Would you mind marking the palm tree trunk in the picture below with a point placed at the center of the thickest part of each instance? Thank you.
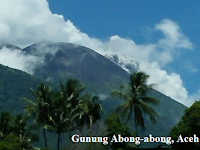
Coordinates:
(136, 134)
(136, 130)
(45, 138)
(58, 144)
(135, 115)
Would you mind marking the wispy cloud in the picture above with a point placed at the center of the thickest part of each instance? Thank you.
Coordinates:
(33, 21)
(189, 67)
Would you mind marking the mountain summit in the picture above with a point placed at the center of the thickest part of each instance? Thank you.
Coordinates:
(64, 60)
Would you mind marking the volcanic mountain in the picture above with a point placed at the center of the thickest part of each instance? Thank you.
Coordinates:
(99, 75)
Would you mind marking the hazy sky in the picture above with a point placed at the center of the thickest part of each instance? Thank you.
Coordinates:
(161, 37)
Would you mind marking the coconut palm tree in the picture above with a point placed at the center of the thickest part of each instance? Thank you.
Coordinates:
(59, 116)
(72, 88)
(39, 108)
(88, 111)
(70, 95)
(137, 100)
(61, 106)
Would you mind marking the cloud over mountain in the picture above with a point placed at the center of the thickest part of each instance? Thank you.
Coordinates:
(15, 58)
(33, 21)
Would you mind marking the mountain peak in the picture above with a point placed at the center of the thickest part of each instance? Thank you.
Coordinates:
(66, 60)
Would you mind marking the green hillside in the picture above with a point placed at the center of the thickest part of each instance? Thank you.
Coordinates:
(15, 84)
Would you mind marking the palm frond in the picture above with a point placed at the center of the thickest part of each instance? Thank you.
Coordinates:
(119, 94)
(151, 100)
(30, 102)
(139, 117)
(149, 111)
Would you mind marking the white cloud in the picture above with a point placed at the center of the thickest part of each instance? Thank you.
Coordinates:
(174, 38)
(170, 84)
(17, 59)
(32, 21)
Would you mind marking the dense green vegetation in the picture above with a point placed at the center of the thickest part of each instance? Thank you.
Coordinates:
(15, 134)
(187, 127)
(59, 126)
(14, 85)
(116, 126)
(70, 108)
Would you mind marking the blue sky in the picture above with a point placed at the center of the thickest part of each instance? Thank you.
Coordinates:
(158, 37)
(127, 19)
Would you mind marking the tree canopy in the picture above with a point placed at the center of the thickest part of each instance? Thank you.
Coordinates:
(187, 127)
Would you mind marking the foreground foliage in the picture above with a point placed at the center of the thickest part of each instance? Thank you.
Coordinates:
(39, 108)
(116, 126)
(64, 110)
(15, 133)
(70, 108)
(187, 127)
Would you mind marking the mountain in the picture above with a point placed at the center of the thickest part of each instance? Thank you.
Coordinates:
(14, 85)
(60, 61)
(64, 60)
(99, 74)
